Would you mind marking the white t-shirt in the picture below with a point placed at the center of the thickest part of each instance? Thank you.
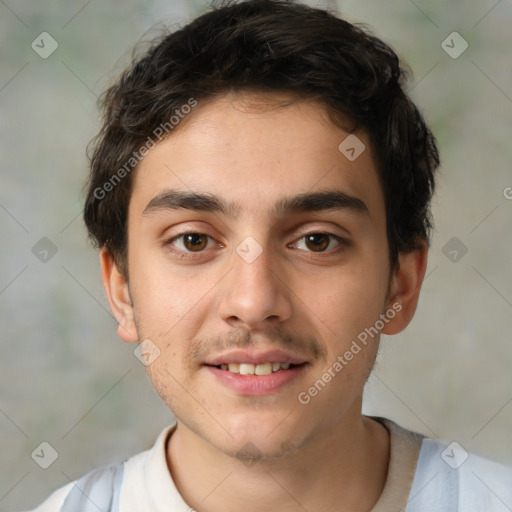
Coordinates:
(424, 475)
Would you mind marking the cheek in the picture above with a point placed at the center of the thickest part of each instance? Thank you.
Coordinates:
(346, 301)
(163, 297)
(172, 304)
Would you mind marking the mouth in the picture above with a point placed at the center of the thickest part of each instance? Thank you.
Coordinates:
(256, 369)
(248, 379)
(252, 373)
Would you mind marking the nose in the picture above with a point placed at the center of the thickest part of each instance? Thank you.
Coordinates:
(255, 294)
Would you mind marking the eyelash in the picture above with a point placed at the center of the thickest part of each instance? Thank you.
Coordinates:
(343, 243)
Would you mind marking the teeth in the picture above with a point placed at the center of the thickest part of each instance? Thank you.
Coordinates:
(263, 369)
(254, 369)
(246, 369)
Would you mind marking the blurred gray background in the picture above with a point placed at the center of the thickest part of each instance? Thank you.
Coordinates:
(66, 378)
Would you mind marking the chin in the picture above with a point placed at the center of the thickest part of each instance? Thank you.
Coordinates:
(251, 450)
(260, 435)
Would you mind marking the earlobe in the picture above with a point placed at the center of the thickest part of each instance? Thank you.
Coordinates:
(118, 295)
(405, 288)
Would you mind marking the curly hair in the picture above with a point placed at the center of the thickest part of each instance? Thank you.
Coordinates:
(267, 46)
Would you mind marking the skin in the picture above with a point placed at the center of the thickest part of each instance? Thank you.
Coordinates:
(310, 298)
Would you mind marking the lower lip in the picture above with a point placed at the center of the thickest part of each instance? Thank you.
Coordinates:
(254, 385)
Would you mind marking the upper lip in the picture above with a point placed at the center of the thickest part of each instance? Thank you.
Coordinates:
(243, 356)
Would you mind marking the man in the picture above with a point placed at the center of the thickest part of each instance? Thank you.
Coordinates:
(260, 192)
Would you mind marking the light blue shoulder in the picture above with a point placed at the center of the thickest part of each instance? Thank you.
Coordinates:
(449, 478)
(98, 490)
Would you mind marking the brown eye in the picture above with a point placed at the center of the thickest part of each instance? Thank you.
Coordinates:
(317, 242)
(320, 243)
(191, 242)
(195, 241)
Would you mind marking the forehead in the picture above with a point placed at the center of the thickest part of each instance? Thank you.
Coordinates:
(253, 153)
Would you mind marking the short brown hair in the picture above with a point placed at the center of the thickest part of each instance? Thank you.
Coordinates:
(267, 46)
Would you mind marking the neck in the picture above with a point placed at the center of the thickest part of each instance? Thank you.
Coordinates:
(342, 469)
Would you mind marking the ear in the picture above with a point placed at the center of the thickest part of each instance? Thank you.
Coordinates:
(118, 295)
(405, 288)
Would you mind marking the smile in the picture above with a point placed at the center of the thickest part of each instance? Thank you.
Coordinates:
(255, 369)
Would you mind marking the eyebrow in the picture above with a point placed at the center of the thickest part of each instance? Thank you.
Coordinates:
(307, 202)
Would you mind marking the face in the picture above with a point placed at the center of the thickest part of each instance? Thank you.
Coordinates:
(256, 245)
